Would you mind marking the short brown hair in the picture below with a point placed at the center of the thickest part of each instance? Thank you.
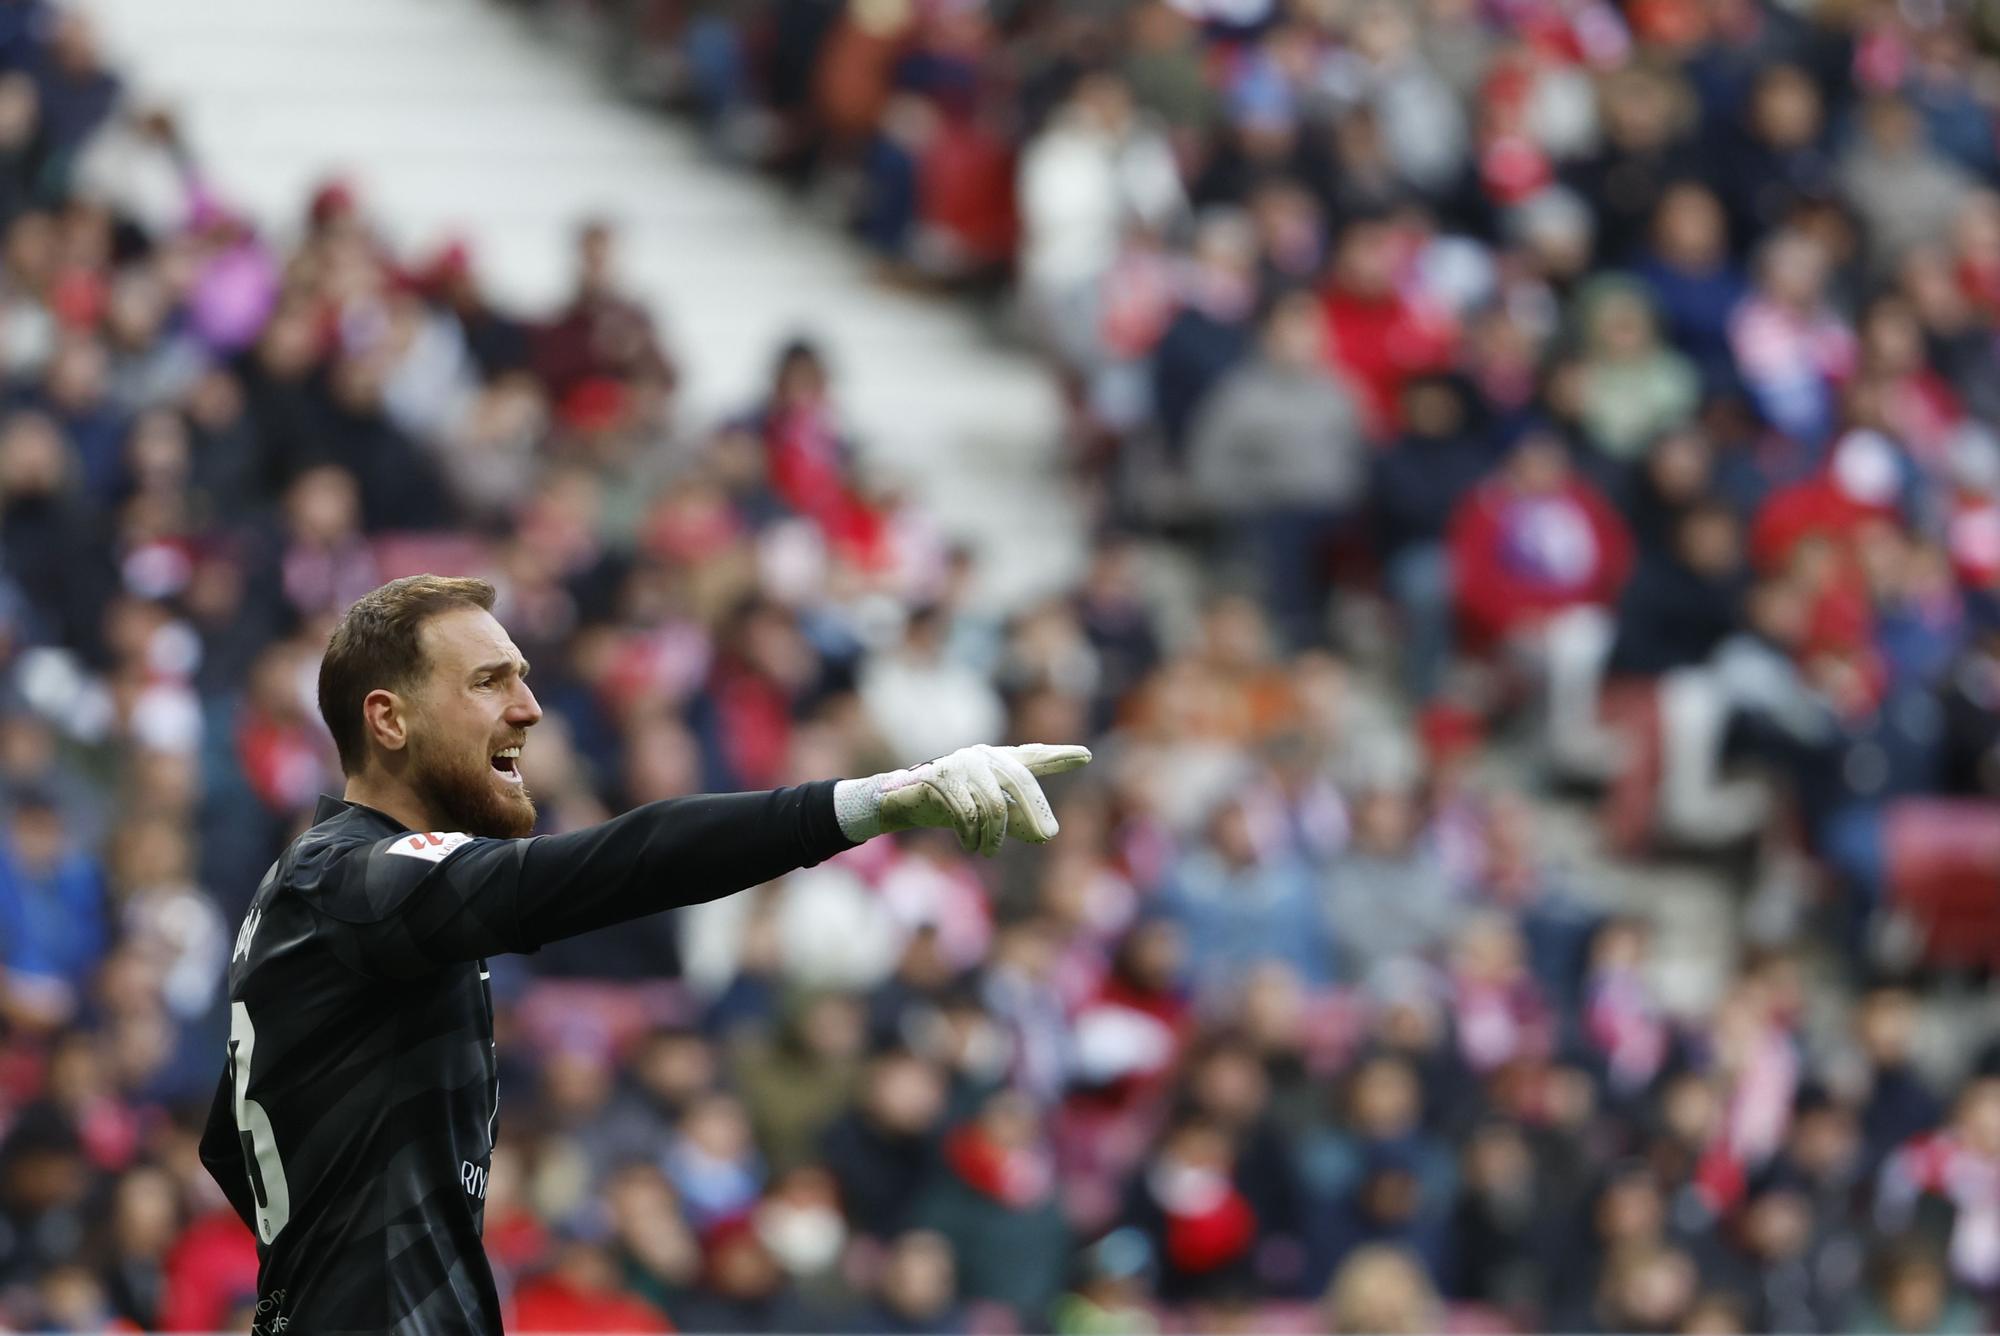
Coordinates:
(378, 645)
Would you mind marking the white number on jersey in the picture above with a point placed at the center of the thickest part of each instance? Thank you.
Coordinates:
(253, 1129)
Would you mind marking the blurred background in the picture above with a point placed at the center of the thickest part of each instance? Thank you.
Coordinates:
(1508, 488)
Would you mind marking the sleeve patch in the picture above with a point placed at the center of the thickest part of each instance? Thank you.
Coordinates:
(432, 847)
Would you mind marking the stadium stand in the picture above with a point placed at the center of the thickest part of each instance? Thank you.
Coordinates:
(1636, 361)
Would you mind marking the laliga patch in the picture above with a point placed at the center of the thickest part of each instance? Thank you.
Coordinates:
(432, 847)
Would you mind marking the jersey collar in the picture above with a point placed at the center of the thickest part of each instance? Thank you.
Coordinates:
(331, 807)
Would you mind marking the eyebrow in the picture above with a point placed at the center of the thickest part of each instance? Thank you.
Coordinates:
(520, 666)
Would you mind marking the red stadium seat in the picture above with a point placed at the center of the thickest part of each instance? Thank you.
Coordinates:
(1631, 710)
(1943, 870)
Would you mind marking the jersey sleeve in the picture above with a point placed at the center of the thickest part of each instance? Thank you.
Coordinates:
(407, 905)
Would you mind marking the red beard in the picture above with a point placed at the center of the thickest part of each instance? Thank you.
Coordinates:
(463, 794)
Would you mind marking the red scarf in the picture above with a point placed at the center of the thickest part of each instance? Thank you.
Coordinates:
(1209, 1224)
(1017, 1178)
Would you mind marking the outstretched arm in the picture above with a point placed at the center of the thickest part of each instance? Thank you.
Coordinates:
(427, 899)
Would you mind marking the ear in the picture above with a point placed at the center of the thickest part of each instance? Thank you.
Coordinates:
(385, 717)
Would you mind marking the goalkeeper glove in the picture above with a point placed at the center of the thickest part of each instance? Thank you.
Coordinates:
(982, 792)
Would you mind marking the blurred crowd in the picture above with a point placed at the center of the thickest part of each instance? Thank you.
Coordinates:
(1636, 360)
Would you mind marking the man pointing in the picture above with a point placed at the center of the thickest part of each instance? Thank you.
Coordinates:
(355, 1119)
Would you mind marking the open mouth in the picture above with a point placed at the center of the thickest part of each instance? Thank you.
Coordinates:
(507, 763)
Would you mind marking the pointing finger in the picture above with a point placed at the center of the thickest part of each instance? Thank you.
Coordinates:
(1043, 758)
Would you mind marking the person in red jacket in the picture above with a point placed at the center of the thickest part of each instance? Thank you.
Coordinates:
(210, 1273)
(1377, 337)
(1864, 480)
(1538, 558)
(582, 1293)
(1534, 540)
(1816, 530)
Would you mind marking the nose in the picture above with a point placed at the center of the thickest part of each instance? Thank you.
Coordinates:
(523, 711)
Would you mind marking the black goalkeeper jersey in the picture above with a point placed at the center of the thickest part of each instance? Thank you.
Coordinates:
(354, 1123)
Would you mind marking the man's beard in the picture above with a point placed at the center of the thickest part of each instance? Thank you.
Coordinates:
(464, 794)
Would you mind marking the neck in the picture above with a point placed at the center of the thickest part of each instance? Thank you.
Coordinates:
(392, 797)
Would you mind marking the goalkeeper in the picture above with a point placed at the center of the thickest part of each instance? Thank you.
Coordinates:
(354, 1123)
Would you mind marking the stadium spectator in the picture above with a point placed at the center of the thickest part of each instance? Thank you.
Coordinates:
(1381, 1289)
(1633, 388)
(882, 1150)
(1276, 456)
(993, 1200)
(918, 1291)
(1649, 381)
(52, 906)
(1534, 541)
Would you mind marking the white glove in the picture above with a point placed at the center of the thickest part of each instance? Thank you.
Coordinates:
(971, 791)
